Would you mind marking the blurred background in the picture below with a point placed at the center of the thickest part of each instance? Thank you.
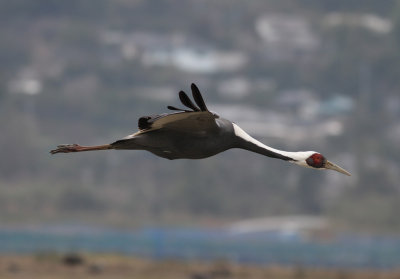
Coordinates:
(297, 75)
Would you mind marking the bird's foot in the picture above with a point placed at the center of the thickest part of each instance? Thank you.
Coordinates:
(66, 148)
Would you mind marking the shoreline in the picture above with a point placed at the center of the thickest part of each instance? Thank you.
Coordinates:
(96, 265)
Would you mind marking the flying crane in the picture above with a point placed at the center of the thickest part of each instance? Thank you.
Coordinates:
(196, 133)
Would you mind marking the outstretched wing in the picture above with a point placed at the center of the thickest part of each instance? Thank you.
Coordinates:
(184, 121)
(197, 119)
(201, 105)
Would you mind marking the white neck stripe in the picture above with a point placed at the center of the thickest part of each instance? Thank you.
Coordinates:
(300, 156)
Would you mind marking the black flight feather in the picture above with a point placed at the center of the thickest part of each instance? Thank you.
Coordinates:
(144, 122)
(179, 109)
(187, 102)
(198, 98)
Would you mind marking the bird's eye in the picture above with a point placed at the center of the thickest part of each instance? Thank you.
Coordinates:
(316, 160)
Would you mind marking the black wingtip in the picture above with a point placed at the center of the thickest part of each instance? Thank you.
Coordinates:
(173, 108)
(178, 109)
(193, 86)
(198, 98)
(186, 101)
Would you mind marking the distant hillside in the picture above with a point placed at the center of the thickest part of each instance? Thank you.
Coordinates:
(315, 75)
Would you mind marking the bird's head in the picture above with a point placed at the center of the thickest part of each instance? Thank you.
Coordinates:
(315, 160)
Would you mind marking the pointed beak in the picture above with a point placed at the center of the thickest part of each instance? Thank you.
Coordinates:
(332, 166)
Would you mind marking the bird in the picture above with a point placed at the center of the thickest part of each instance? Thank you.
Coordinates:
(195, 132)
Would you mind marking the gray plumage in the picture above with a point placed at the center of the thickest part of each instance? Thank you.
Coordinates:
(197, 133)
(189, 135)
(186, 134)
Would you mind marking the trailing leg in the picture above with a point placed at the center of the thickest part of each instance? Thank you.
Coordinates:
(68, 148)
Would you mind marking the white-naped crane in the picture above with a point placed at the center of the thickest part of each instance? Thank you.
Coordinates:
(196, 133)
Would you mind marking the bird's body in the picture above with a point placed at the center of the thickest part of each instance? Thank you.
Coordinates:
(196, 134)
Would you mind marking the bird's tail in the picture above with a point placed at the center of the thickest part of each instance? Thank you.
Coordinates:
(68, 148)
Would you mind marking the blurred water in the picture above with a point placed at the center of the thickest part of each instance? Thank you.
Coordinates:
(343, 251)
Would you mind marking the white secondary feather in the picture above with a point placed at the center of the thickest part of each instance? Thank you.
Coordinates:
(298, 157)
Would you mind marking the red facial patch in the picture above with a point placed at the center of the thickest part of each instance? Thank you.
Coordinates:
(316, 160)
